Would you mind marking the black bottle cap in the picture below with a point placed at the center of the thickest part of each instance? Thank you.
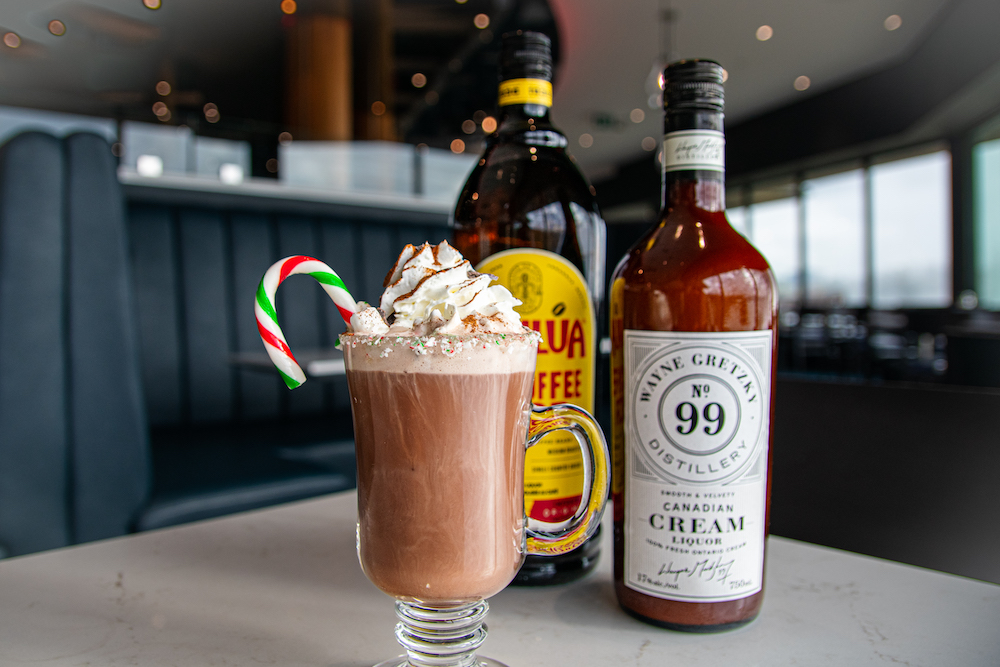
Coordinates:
(526, 55)
(693, 84)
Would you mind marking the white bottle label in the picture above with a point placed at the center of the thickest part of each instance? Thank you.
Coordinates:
(694, 149)
(696, 438)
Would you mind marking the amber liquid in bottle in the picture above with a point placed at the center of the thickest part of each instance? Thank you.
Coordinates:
(527, 194)
(692, 272)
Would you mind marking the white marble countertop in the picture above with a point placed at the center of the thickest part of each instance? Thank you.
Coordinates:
(283, 587)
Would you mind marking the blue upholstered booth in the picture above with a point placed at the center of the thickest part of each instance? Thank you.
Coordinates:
(120, 311)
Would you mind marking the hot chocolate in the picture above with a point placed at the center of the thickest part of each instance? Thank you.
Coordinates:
(440, 381)
(440, 499)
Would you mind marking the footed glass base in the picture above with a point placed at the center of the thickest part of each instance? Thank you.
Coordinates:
(441, 636)
(400, 661)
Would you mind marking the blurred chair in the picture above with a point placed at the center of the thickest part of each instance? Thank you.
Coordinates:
(75, 460)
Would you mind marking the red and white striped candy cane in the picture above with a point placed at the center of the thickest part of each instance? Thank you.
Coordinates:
(267, 319)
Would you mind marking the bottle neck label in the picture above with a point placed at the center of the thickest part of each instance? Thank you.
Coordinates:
(525, 91)
(703, 150)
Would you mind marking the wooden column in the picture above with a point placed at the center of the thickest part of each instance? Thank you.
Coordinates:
(375, 69)
(319, 64)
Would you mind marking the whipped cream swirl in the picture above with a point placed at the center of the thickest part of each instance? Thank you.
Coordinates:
(434, 290)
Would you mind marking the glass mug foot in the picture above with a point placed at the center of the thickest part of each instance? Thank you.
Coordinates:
(441, 636)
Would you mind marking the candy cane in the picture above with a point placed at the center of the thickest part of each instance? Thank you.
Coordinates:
(267, 319)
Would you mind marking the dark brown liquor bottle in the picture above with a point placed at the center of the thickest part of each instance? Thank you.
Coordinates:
(693, 340)
(528, 216)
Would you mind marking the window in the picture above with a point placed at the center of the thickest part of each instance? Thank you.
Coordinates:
(776, 235)
(986, 193)
(835, 239)
(911, 230)
(829, 243)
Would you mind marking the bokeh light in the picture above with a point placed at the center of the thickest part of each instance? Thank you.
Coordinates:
(586, 140)
(489, 124)
(12, 40)
(468, 126)
(163, 88)
(893, 22)
(802, 82)
(765, 32)
(637, 115)
(57, 27)
(481, 21)
(457, 146)
(378, 107)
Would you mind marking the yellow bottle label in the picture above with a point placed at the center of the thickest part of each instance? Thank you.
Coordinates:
(525, 91)
(556, 303)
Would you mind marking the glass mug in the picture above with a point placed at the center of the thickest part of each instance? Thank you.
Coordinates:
(441, 427)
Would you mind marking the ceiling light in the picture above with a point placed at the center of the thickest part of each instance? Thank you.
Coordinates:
(151, 4)
(802, 82)
(418, 80)
(637, 115)
(489, 124)
(765, 32)
(457, 146)
(163, 88)
(288, 6)
(468, 126)
(481, 21)
(12, 40)
(648, 144)
(586, 140)
(57, 27)
(893, 22)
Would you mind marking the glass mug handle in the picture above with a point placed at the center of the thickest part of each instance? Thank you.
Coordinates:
(596, 483)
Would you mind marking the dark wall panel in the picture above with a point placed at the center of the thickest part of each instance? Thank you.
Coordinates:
(252, 247)
(155, 277)
(899, 472)
(378, 250)
(206, 305)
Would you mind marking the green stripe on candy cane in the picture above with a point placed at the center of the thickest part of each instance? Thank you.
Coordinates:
(267, 319)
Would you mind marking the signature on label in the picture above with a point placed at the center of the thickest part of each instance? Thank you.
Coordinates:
(707, 570)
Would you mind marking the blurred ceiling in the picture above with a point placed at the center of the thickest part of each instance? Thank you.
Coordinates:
(229, 52)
